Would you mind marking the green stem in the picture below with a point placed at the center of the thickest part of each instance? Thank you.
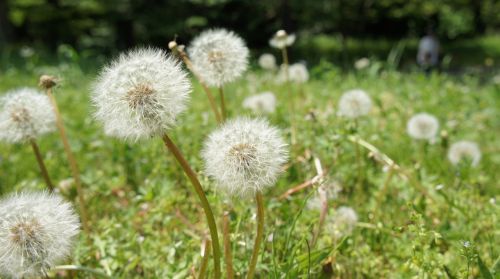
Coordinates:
(203, 200)
(383, 190)
(210, 96)
(260, 233)
(41, 164)
(72, 162)
(227, 245)
(204, 261)
(284, 54)
(322, 216)
(222, 104)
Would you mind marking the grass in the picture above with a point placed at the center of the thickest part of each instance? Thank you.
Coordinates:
(145, 218)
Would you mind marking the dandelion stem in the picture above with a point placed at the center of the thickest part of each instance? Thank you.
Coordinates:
(204, 261)
(222, 104)
(260, 233)
(383, 191)
(210, 96)
(227, 245)
(322, 217)
(284, 54)
(358, 162)
(41, 164)
(72, 162)
(203, 200)
(379, 156)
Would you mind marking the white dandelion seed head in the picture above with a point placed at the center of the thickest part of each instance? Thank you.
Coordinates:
(140, 94)
(362, 63)
(354, 103)
(464, 150)
(342, 222)
(264, 102)
(423, 126)
(267, 61)
(298, 73)
(282, 40)
(219, 56)
(244, 156)
(25, 114)
(37, 231)
(329, 191)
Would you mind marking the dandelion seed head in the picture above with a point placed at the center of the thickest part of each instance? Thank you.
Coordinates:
(219, 56)
(267, 61)
(244, 156)
(37, 231)
(423, 126)
(342, 222)
(282, 40)
(354, 103)
(264, 102)
(25, 114)
(140, 94)
(328, 191)
(464, 150)
(362, 63)
(298, 73)
(47, 82)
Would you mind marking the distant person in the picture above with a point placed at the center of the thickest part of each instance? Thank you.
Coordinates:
(428, 52)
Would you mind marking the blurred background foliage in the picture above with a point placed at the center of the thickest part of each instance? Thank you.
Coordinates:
(369, 27)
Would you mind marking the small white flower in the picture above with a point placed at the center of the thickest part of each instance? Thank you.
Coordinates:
(298, 73)
(264, 102)
(423, 126)
(37, 231)
(244, 156)
(219, 56)
(140, 94)
(354, 103)
(25, 114)
(464, 150)
(267, 61)
(362, 63)
(282, 40)
(342, 222)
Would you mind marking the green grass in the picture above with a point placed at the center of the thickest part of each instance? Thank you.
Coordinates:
(136, 190)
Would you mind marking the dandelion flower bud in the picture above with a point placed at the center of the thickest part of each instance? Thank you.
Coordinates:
(25, 114)
(261, 103)
(219, 56)
(464, 150)
(47, 82)
(342, 222)
(140, 94)
(244, 156)
(298, 73)
(354, 103)
(37, 231)
(423, 126)
(267, 61)
(282, 40)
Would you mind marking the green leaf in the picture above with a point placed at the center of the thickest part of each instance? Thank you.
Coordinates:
(483, 269)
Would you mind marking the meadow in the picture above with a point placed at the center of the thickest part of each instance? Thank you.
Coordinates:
(418, 215)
